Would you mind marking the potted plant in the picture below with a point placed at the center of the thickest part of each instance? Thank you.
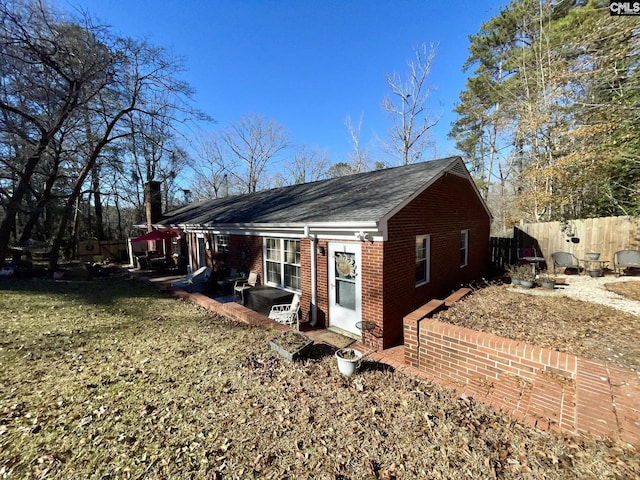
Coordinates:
(595, 272)
(291, 345)
(514, 274)
(348, 360)
(527, 276)
(547, 281)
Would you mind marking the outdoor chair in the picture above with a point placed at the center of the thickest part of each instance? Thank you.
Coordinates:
(195, 281)
(526, 252)
(242, 285)
(287, 314)
(566, 260)
(226, 280)
(624, 259)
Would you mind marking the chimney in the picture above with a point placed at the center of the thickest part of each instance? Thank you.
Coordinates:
(153, 203)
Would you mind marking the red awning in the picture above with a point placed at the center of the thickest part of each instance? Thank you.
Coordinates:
(155, 235)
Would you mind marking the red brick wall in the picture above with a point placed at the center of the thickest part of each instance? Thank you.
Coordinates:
(446, 208)
(323, 283)
(373, 300)
(474, 361)
(245, 255)
(305, 279)
(456, 353)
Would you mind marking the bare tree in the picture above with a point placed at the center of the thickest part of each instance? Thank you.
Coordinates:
(308, 164)
(253, 142)
(145, 84)
(154, 153)
(211, 167)
(50, 69)
(407, 107)
(359, 156)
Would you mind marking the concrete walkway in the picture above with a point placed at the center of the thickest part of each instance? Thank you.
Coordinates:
(604, 401)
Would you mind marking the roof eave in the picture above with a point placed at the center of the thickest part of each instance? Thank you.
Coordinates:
(319, 229)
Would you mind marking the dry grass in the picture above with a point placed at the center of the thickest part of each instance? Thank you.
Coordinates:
(630, 290)
(109, 379)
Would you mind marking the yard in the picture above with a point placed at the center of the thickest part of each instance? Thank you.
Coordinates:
(111, 379)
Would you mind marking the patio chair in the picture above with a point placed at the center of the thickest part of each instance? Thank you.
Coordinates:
(226, 280)
(526, 252)
(242, 285)
(624, 259)
(287, 314)
(195, 281)
(566, 260)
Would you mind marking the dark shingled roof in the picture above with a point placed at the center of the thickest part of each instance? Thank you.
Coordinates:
(360, 197)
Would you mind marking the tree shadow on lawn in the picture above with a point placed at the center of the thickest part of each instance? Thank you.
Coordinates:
(373, 366)
(108, 295)
(321, 350)
(99, 291)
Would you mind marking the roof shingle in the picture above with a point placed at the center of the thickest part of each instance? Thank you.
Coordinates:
(360, 197)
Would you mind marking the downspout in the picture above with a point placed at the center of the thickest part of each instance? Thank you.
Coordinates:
(314, 275)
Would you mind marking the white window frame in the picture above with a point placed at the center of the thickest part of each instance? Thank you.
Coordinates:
(221, 243)
(283, 263)
(426, 241)
(464, 248)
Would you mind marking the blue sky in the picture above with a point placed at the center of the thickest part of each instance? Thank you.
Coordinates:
(306, 64)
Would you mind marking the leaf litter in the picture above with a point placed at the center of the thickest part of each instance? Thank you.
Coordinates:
(145, 386)
(587, 330)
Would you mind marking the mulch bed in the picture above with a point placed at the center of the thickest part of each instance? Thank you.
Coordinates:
(583, 329)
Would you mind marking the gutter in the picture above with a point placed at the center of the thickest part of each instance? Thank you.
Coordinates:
(314, 275)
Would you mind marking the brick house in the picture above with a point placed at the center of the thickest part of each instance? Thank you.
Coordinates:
(365, 247)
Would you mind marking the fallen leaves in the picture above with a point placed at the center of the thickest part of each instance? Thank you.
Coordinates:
(584, 329)
(195, 396)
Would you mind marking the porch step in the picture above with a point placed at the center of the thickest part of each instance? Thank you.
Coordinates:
(344, 333)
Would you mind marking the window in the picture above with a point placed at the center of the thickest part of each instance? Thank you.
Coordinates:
(222, 243)
(464, 248)
(282, 259)
(423, 247)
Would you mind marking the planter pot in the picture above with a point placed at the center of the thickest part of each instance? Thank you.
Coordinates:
(593, 256)
(527, 283)
(348, 361)
(595, 273)
(291, 346)
(515, 281)
(548, 284)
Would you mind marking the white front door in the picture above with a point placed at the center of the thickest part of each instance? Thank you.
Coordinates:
(345, 286)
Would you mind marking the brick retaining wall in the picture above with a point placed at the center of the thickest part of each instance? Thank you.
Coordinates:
(459, 353)
(542, 387)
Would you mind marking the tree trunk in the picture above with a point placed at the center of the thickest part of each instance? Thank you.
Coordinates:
(8, 223)
(97, 200)
(77, 187)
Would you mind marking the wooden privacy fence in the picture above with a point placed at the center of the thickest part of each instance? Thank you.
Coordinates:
(92, 250)
(605, 235)
(502, 251)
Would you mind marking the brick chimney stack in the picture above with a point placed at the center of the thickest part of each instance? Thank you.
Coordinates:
(153, 203)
